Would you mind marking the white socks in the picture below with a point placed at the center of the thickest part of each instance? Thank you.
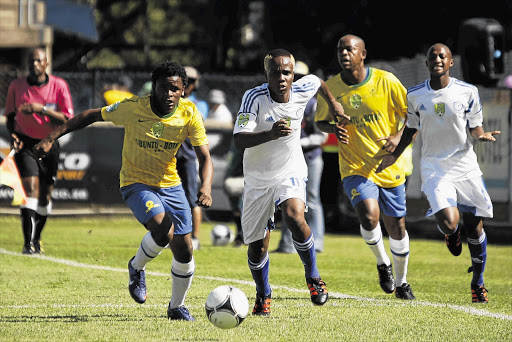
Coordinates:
(374, 240)
(182, 275)
(400, 251)
(148, 250)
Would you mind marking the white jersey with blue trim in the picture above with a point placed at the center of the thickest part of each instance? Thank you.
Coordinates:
(442, 117)
(272, 162)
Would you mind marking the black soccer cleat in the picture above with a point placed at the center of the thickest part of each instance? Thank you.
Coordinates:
(386, 279)
(317, 290)
(28, 249)
(179, 314)
(479, 294)
(262, 305)
(404, 292)
(453, 242)
(38, 247)
(137, 284)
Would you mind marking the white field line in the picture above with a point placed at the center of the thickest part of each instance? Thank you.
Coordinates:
(338, 295)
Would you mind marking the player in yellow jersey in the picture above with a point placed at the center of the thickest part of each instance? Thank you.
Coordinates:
(376, 102)
(155, 127)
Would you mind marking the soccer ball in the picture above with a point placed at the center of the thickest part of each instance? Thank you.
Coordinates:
(226, 307)
(221, 235)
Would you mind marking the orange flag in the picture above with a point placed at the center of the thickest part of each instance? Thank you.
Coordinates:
(10, 176)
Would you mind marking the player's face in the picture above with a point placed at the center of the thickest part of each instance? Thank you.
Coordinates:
(167, 93)
(439, 60)
(351, 53)
(280, 77)
(37, 63)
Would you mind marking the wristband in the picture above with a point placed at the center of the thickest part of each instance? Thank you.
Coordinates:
(43, 111)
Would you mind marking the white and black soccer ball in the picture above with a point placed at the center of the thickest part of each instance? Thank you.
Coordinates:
(221, 235)
(226, 306)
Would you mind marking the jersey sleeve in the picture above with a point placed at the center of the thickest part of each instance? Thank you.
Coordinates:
(115, 114)
(197, 132)
(474, 112)
(322, 110)
(246, 117)
(412, 115)
(307, 85)
(65, 102)
(398, 96)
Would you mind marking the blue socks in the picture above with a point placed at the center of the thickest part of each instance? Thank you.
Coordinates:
(260, 270)
(260, 275)
(478, 251)
(307, 254)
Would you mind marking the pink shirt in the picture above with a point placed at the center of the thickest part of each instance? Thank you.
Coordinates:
(54, 94)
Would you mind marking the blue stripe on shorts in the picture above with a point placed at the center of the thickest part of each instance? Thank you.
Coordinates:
(147, 201)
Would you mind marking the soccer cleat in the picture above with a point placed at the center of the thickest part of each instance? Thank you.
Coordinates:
(180, 313)
(479, 294)
(38, 247)
(386, 279)
(317, 290)
(28, 249)
(262, 305)
(137, 284)
(453, 242)
(404, 292)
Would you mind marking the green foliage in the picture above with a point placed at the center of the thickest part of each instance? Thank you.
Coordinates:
(78, 291)
(168, 29)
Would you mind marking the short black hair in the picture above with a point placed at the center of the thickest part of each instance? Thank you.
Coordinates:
(169, 68)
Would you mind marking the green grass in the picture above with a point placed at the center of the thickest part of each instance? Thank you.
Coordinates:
(78, 291)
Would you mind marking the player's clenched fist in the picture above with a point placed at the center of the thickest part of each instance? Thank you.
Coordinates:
(204, 197)
(279, 129)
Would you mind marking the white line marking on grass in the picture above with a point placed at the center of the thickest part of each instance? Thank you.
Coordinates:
(337, 295)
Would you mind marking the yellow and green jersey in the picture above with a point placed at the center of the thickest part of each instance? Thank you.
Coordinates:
(376, 107)
(151, 142)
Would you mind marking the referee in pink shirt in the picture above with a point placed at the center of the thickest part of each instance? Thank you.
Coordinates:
(35, 106)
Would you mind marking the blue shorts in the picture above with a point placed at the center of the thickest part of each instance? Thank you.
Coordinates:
(391, 200)
(146, 201)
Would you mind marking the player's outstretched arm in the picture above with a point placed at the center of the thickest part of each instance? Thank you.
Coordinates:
(80, 121)
(204, 196)
(479, 134)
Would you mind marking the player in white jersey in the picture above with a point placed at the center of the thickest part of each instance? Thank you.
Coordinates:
(441, 108)
(275, 172)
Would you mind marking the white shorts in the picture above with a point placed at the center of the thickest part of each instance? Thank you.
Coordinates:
(469, 195)
(259, 206)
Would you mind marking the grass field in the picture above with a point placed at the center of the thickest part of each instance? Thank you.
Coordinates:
(78, 291)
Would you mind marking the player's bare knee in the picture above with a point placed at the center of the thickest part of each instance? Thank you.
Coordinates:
(161, 238)
(181, 247)
(256, 251)
(369, 221)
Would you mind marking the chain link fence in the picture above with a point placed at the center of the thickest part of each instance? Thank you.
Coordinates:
(87, 87)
